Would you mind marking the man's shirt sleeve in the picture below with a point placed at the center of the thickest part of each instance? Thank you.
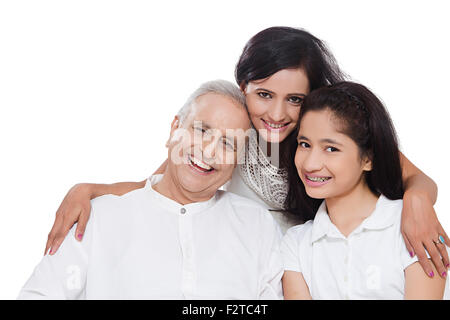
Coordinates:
(62, 275)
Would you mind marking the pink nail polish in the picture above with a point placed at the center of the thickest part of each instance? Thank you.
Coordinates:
(431, 274)
(448, 265)
(411, 254)
(444, 274)
(79, 236)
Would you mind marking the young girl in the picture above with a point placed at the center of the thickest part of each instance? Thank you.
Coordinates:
(347, 154)
(278, 67)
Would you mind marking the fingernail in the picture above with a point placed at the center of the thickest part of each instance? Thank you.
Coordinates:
(448, 265)
(79, 236)
(431, 274)
(411, 254)
(51, 251)
(444, 274)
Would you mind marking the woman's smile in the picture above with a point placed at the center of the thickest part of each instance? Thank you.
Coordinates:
(275, 126)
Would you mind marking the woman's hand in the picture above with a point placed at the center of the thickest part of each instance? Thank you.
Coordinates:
(76, 207)
(420, 228)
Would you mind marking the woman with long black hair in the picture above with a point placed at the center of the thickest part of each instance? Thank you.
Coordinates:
(278, 67)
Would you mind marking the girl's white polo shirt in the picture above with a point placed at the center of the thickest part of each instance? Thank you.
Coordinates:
(368, 264)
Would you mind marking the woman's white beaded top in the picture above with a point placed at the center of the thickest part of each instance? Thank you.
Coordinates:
(264, 178)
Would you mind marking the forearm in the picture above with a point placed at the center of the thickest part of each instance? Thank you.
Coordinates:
(118, 189)
(421, 185)
(416, 182)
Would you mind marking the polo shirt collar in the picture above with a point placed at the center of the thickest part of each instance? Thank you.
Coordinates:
(173, 206)
(381, 218)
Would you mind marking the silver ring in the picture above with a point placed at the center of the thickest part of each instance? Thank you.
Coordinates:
(441, 240)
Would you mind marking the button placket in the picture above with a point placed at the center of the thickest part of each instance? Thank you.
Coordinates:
(347, 260)
(186, 239)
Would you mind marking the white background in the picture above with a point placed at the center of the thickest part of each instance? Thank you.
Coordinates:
(88, 90)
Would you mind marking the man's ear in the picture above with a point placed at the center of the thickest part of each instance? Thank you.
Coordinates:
(174, 126)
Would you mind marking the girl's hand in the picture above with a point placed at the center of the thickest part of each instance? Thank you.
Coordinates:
(75, 207)
(420, 230)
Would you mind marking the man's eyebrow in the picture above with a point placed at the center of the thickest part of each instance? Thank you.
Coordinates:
(203, 124)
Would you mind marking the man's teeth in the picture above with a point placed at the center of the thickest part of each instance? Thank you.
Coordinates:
(275, 126)
(317, 179)
(200, 164)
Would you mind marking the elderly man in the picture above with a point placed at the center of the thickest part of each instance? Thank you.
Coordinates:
(179, 236)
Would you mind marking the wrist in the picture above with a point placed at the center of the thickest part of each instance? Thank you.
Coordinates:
(417, 195)
(86, 189)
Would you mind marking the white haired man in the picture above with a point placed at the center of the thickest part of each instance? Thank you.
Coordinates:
(179, 236)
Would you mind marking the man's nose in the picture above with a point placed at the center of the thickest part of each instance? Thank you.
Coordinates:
(209, 148)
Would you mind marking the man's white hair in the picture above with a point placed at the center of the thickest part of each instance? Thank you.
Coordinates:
(222, 87)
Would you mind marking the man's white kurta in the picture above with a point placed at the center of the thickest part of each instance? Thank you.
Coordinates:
(143, 245)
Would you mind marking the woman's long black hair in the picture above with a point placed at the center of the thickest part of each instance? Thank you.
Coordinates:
(278, 48)
(361, 116)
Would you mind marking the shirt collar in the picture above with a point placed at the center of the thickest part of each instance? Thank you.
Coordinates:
(174, 206)
(381, 218)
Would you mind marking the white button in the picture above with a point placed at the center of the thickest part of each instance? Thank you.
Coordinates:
(183, 211)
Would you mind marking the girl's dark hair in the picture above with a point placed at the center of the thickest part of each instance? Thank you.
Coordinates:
(278, 48)
(361, 116)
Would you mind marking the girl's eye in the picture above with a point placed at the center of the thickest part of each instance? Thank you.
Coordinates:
(264, 95)
(303, 144)
(295, 100)
(332, 149)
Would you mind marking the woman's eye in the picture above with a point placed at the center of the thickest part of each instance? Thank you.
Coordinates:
(264, 95)
(331, 149)
(295, 100)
